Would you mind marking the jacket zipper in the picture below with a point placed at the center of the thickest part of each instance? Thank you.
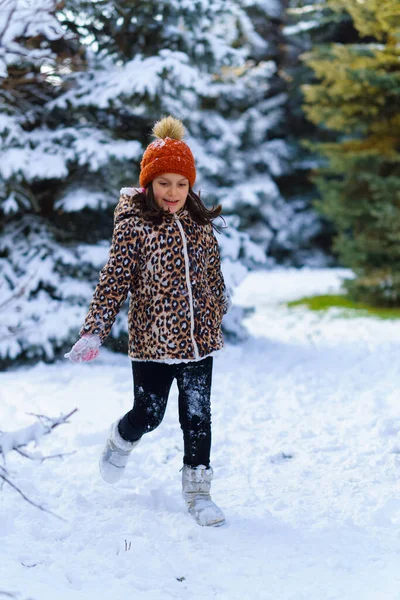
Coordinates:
(189, 285)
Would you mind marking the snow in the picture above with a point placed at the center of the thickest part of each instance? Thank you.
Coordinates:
(21, 437)
(137, 76)
(300, 27)
(45, 154)
(306, 455)
(247, 193)
(95, 255)
(75, 200)
(284, 285)
(21, 20)
(271, 7)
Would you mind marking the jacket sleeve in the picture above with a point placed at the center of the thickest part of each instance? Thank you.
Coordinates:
(117, 275)
(214, 272)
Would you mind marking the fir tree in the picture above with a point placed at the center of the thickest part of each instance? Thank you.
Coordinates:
(213, 64)
(358, 95)
(170, 57)
(305, 26)
(106, 71)
(36, 56)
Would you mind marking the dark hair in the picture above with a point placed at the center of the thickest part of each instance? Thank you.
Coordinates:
(194, 204)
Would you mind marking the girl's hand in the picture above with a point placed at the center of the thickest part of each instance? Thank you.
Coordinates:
(86, 348)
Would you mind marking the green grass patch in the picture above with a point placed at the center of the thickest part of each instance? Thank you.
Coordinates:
(348, 307)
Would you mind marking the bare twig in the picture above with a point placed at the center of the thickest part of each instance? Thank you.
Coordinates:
(54, 422)
(29, 500)
(17, 292)
(42, 458)
(48, 428)
(31, 434)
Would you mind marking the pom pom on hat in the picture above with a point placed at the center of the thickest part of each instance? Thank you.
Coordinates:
(168, 153)
(169, 127)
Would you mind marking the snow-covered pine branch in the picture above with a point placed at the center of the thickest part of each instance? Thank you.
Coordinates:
(19, 439)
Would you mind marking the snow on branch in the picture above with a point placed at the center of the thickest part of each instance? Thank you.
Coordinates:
(17, 440)
(16, 293)
(21, 21)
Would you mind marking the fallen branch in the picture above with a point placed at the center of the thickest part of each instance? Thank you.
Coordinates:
(16, 440)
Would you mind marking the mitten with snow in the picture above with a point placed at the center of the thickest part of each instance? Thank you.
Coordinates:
(85, 349)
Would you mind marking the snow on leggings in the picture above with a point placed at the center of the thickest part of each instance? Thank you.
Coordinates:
(151, 383)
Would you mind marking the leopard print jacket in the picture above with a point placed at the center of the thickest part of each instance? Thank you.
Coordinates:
(177, 291)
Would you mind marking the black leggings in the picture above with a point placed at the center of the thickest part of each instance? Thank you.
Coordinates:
(151, 383)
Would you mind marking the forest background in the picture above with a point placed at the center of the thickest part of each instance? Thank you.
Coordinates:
(291, 110)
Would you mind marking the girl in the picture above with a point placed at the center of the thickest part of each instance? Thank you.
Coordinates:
(164, 252)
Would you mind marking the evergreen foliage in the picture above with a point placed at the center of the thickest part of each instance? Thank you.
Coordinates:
(250, 130)
(307, 25)
(95, 77)
(358, 95)
(37, 56)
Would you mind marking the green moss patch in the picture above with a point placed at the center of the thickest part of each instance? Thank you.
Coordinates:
(349, 308)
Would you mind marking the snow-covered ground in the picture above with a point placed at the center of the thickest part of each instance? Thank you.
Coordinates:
(306, 453)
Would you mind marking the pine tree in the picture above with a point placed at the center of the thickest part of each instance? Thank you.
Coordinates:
(213, 64)
(103, 73)
(170, 57)
(247, 134)
(36, 56)
(305, 26)
(358, 95)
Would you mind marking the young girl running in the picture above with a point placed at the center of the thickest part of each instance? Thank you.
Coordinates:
(164, 252)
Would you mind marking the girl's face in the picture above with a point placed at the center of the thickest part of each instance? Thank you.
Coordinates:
(170, 191)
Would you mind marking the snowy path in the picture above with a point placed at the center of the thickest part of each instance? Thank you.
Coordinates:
(306, 452)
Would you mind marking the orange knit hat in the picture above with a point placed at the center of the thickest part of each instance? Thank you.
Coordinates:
(168, 153)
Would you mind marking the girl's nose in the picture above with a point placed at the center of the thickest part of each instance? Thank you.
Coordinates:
(173, 194)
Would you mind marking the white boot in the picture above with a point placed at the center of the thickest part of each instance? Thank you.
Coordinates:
(115, 455)
(196, 485)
